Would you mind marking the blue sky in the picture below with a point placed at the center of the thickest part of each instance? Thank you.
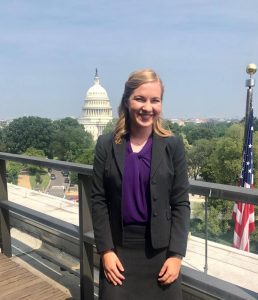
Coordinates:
(49, 51)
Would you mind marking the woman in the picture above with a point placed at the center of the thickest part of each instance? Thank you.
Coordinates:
(140, 205)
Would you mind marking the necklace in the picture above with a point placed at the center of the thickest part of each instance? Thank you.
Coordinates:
(139, 142)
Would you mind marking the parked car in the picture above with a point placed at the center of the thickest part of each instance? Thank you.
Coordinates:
(52, 176)
(65, 173)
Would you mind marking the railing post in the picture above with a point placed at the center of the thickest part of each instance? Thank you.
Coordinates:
(5, 236)
(206, 233)
(86, 250)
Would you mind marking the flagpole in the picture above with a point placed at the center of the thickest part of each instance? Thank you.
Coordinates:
(243, 213)
(250, 83)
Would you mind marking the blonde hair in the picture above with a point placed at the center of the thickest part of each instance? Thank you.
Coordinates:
(136, 79)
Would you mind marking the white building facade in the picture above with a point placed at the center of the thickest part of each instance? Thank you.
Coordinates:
(96, 111)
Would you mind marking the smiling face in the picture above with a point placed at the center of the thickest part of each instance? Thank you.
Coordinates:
(144, 105)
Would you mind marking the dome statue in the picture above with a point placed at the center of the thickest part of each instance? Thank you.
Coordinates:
(96, 111)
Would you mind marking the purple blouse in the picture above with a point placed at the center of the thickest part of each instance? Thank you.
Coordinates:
(136, 184)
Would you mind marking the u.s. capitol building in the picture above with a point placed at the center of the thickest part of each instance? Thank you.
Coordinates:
(96, 111)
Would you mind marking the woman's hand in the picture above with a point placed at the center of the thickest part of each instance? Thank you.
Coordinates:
(112, 267)
(170, 270)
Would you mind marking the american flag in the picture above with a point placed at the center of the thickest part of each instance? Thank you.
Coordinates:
(243, 213)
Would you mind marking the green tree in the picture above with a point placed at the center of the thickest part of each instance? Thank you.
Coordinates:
(87, 158)
(13, 170)
(223, 165)
(219, 217)
(2, 144)
(197, 156)
(38, 178)
(34, 169)
(67, 122)
(255, 123)
(69, 139)
(225, 160)
(185, 142)
(26, 132)
(228, 160)
(235, 131)
(207, 130)
(173, 127)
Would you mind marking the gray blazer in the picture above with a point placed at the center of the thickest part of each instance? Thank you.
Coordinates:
(170, 208)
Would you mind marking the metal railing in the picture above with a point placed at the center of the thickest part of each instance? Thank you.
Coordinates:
(81, 237)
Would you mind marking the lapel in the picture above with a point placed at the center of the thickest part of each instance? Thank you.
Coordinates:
(158, 146)
(119, 153)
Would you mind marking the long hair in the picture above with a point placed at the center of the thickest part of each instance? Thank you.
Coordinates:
(136, 79)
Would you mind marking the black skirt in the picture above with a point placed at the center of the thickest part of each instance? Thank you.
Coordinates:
(142, 265)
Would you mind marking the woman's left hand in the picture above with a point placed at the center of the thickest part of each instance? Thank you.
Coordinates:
(170, 270)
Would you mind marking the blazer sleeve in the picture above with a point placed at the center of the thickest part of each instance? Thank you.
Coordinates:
(100, 212)
(179, 202)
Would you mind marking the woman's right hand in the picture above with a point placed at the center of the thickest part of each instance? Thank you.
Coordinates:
(112, 267)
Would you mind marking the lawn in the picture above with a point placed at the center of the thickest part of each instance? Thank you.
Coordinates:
(44, 182)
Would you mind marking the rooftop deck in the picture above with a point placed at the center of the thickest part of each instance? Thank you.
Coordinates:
(17, 282)
(224, 262)
(77, 239)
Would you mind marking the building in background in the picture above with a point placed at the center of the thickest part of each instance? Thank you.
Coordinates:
(4, 123)
(96, 111)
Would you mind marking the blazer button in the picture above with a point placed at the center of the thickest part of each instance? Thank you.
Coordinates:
(153, 181)
(155, 214)
(155, 199)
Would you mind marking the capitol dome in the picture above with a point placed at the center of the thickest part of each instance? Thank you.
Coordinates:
(96, 91)
(97, 111)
